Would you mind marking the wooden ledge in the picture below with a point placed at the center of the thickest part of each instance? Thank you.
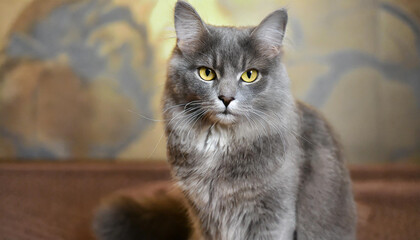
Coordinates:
(55, 200)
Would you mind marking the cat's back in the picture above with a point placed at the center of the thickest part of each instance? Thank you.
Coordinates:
(325, 190)
(316, 132)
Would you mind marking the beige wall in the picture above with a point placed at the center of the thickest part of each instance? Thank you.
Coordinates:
(75, 76)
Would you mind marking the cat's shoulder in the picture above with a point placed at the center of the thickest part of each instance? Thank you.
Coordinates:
(314, 125)
(309, 114)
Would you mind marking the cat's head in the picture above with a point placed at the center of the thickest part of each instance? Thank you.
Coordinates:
(227, 75)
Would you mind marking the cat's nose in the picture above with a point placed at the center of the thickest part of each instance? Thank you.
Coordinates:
(226, 100)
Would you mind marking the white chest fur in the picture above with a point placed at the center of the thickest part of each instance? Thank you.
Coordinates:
(213, 140)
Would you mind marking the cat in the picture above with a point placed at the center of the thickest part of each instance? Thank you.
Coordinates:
(250, 161)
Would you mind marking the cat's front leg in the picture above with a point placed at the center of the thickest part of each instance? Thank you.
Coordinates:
(282, 229)
(287, 230)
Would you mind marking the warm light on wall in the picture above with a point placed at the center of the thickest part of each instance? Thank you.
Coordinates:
(75, 75)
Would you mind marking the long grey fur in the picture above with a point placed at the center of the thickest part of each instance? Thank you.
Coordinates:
(262, 166)
(272, 168)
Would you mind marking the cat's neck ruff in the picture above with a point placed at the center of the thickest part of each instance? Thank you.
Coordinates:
(207, 136)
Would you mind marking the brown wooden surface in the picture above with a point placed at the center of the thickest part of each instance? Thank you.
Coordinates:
(45, 200)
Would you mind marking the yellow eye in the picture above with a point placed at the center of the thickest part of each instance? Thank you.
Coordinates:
(206, 73)
(249, 76)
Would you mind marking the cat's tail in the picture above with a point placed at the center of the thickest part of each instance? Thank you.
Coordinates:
(163, 216)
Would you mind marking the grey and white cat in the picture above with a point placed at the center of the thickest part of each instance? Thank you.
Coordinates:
(251, 162)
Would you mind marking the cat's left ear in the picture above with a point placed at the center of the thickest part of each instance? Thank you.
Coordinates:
(269, 34)
(190, 29)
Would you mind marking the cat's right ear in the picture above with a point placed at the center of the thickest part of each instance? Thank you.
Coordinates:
(269, 34)
(190, 29)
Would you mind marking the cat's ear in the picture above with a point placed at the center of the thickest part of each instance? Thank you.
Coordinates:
(190, 29)
(269, 34)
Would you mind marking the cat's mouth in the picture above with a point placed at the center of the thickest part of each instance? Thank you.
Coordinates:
(226, 112)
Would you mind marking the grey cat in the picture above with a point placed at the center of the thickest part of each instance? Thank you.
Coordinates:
(250, 161)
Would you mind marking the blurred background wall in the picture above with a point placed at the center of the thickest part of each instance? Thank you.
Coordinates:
(82, 79)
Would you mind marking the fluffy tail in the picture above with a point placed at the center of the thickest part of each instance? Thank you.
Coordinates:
(160, 217)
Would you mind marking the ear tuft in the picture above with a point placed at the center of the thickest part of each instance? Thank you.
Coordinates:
(190, 29)
(269, 34)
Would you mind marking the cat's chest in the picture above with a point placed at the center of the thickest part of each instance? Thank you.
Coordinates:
(209, 142)
(213, 141)
(208, 149)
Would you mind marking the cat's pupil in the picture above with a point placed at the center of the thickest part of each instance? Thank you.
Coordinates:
(249, 74)
(208, 72)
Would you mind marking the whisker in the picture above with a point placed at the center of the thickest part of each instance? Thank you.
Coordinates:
(157, 144)
(147, 118)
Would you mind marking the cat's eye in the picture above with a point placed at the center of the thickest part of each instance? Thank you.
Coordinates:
(249, 76)
(206, 74)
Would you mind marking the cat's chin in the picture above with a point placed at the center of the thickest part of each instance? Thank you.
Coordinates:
(225, 118)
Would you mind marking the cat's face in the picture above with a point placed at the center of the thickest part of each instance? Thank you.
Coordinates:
(223, 74)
